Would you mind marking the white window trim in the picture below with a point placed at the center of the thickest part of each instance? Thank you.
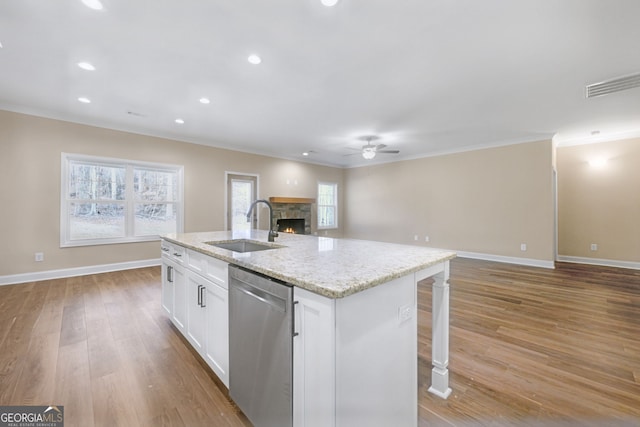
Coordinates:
(328, 227)
(66, 158)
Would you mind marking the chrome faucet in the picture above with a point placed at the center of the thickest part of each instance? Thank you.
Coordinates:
(272, 234)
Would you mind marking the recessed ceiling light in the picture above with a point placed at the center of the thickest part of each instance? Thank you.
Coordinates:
(306, 153)
(329, 3)
(93, 4)
(204, 100)
(180, 121)
(86, 66)
(254, 59)
(84, 100)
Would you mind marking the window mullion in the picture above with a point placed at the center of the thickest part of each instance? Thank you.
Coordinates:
(129, 203)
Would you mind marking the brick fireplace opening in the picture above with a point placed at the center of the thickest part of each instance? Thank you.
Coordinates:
(292, 208)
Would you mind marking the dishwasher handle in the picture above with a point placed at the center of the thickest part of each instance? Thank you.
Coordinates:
(262, 296)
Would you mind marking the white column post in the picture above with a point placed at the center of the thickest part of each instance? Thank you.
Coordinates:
(440, 334)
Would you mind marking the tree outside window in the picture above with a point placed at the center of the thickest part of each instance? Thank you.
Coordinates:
(107, 200)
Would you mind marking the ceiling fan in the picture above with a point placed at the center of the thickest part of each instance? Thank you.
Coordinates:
(369, 150)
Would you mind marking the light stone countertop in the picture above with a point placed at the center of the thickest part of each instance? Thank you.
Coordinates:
(334, 268)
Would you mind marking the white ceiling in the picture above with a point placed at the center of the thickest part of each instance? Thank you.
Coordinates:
(427, 76)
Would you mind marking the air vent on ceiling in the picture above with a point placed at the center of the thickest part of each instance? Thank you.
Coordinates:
(613, 85)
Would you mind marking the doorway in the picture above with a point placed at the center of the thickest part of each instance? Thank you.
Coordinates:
(242, 190)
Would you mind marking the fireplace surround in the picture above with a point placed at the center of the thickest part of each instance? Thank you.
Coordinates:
(292, 208)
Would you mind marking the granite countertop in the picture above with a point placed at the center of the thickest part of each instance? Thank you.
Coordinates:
(334, 268)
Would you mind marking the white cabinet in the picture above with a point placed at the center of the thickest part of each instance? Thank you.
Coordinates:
(313, 360)
(355, 358)
(216, 349)
(196, 310)
(167, 288)
(195, 295)
(174, 298)
(208, 324)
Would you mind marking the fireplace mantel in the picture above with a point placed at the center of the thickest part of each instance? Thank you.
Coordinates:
(291, 200)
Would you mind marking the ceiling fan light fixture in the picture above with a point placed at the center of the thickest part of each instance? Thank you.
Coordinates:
(254, 59)
(368, 153)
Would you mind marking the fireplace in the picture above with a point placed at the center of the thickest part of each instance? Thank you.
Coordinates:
(291, 225)
(295, 209)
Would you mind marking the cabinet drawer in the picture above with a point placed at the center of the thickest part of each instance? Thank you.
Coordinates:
(197, 262)
(178, 253)
(218, 272)
(173, 252)
(208, 267)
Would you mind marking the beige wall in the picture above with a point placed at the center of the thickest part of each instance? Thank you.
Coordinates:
(486, 201)
(30, 187)
(600, 205)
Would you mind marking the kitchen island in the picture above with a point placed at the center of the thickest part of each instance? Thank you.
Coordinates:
(355, 338)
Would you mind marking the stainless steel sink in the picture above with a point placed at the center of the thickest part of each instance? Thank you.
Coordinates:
(243, 245)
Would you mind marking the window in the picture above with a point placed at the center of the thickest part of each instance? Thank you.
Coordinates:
(327, 205)
(107, 200)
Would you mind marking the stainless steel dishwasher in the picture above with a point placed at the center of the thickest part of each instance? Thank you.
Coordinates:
(261, 347)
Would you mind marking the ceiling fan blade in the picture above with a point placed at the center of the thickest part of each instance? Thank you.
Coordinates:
(380, 146)
(388, 151)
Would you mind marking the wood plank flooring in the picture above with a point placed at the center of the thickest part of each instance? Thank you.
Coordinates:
(528, 346)
(533, 346)
(101, 346)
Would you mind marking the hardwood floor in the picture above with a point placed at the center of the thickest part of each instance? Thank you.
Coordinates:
(528, 347)
(533, 346)
(101, 346)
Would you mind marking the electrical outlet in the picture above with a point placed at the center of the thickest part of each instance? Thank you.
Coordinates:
(426, 239)
(523, 247)
(594, 247)
(39, 256)
(404, 313)
(415, 237)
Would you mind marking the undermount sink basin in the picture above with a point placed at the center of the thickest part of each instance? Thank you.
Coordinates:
(243, 246)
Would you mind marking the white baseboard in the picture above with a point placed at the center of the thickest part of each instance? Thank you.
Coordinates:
(507, 259)
(104, 268)
(597, 261)
(76, 271)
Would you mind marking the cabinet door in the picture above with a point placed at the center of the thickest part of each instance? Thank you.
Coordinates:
(217, 333)
(196, 287)
(313, 360)
(167, 288)
(179, 296)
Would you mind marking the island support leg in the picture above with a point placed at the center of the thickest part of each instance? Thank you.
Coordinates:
(440, 334)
